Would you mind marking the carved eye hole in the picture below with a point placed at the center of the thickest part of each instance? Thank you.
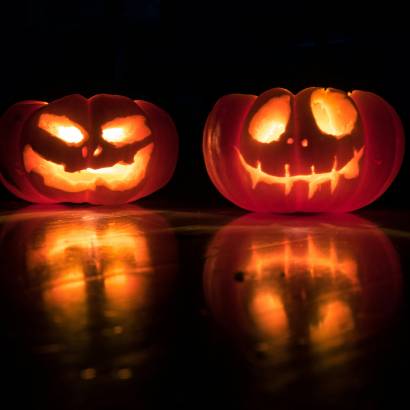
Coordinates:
(125, 130)
(333, 112)
(271, 120)
(63, 128)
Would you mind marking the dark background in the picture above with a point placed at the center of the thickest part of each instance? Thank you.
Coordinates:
(183, 56)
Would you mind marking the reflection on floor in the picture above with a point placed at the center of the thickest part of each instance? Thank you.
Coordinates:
(112, 303)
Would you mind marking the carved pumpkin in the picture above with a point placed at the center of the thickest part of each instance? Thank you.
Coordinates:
(104, 150)
(319, 150)
(324, 280)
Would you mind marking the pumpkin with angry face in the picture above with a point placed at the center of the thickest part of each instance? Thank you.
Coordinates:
(107, 149)
(320, 150)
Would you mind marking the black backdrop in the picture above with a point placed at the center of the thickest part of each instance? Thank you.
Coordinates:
(184, 55)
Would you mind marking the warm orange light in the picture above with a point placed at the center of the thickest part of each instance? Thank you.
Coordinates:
(271, 120)
(269, 313)
(97, 151)
(116, 249)
(275, 266)
(306, 255)
(71, 254)
(125, 130)
(284, 286)
(334, 112)
(349, 171)
(120, 176)
(335, 323)
(62, 128)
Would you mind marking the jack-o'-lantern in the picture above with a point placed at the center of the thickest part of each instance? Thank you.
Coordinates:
(323, 282)
(104, 150)
(320, 150)
(92, 281)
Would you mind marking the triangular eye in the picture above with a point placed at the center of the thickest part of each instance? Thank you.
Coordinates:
(125, 130)
(62, 128)
(333, 111)
(270, 121)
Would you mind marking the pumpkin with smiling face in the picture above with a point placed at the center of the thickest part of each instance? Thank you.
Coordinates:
(320, 150)
(104, 150)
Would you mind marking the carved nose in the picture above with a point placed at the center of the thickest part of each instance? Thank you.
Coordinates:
(305, 143)
(97, 151)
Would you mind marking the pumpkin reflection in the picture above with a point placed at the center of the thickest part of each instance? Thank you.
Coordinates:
(318, 282)
(115, 253)
(94, 274)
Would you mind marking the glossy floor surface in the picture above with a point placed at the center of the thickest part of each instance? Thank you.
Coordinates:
(133, 308)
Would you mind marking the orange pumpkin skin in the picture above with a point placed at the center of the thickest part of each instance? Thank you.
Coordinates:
(321, 150)
(107, 149)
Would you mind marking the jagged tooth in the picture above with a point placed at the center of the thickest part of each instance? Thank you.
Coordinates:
(255, 175)
(312, 184)
(288, 187)
(334, 181)
(335, 163)
(289, 183)
(312, 189)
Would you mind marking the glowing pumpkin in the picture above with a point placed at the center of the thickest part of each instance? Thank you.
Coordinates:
(324, 280)
(319, 150)
(104, 150)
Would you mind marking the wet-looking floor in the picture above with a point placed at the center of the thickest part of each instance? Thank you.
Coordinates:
(133, 308)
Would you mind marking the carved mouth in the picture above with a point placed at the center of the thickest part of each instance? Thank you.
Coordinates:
(350, 170)
(119, 177)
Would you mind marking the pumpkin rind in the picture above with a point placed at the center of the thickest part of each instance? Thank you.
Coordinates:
(40, 165)
(306, 167)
